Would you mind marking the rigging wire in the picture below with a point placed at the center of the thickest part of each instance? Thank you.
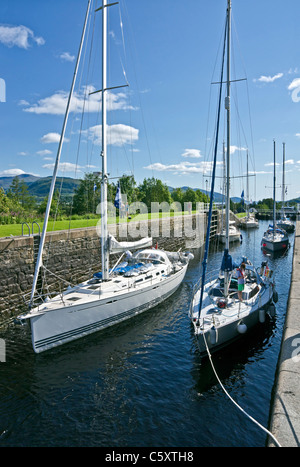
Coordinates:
(204, 264)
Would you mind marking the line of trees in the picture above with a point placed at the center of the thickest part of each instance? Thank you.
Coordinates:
(17, 205)
(87, 195)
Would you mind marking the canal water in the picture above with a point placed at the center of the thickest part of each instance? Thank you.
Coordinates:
(142, 383)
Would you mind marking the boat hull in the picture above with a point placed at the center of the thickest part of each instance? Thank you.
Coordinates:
(249, 225)
(288, 227)
(274, 246)
(229, 333)
(232, 238)
(59, 326)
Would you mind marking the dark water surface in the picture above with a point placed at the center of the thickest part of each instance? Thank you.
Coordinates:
(141, 383)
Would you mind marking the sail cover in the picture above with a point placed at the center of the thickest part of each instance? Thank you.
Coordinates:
(227, 262)
(118, 247)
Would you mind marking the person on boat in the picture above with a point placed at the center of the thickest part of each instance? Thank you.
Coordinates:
(241, 280)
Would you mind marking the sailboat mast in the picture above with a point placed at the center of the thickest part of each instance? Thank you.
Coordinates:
(274, 194)
(55, 170)
(104, 230)
(247, 212)
(227, 106)
(283, 179)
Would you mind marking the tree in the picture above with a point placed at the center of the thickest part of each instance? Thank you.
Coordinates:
(129, 188)
(6, 203)
(55, 207)
(154, 190)
(18, 192)
(190, 196)
(87, 194)
(177, 195)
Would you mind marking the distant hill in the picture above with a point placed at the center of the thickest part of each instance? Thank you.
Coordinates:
(217, 196)
(39, 186)
(5, 182)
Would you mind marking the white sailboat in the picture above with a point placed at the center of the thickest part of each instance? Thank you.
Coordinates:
(284, 222)
(144, 280)
(275, 239)
(217, 314)
(234, 234)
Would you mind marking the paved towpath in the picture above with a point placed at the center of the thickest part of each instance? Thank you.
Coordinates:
(285, 410)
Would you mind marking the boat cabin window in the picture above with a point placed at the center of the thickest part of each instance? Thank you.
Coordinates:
(215, 292)
(253, 291)
(150, 257)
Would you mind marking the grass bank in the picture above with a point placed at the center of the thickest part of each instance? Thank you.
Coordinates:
(7, 230)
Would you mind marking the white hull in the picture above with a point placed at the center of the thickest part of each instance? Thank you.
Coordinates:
(250, 224)
(58, 325)
(234, 237)
(234, 234)
(221, 327)
(229, 333)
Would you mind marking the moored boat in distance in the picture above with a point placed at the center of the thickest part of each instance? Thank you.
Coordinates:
(275, 239)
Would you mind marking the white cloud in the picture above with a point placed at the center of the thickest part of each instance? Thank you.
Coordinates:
(193, 153)
(261, 172)
(22, 153)
(57, 103)
(233, 149)
(290, 162)
(19, 36)
(45, 152)
(52, 138)
(67, 57)
(12, 172)
(271, 164)
(65, 167)
(117, 135)
(23, 102)
(183, 168)
(269, 79)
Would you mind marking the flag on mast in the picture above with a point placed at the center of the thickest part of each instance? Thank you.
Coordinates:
(118, 198)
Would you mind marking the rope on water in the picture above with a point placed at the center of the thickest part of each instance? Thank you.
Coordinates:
(233, 401)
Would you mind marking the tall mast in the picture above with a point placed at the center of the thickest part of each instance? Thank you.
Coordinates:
(283, 179)
(55, 170)
(274, 194)
(247, 186)
(227, 106)
(104, 231)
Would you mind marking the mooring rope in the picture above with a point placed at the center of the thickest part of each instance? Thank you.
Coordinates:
(233, 401)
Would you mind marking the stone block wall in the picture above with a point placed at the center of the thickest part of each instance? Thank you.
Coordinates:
(74, 255)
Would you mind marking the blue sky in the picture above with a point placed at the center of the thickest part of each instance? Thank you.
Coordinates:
(162, 124)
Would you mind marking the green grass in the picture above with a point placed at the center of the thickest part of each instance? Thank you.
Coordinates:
(7, 230)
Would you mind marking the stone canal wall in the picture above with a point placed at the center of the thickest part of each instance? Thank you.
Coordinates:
(284, 413)
(75, 255)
